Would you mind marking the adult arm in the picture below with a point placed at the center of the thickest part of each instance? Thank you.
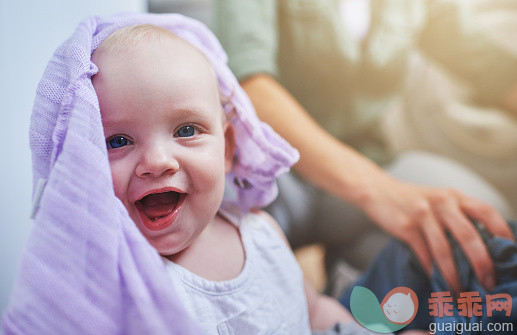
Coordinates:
(419, 216)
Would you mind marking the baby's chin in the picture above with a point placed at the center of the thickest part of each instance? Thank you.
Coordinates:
(168, 246)
(167, 251)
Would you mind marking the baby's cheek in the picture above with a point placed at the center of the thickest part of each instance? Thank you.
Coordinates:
(210, 165)
(119, 180)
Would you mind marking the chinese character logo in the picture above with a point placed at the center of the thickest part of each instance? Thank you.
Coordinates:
(498, 305)
(469, 304)
(397, 310)
(440, 304)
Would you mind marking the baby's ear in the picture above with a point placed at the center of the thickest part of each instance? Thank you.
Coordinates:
(229, 145)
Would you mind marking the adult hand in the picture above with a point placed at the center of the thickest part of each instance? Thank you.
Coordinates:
(421, 216)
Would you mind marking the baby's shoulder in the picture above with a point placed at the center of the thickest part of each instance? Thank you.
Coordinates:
(261, 218)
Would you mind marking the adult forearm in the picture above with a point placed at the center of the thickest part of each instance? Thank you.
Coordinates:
(324, 160)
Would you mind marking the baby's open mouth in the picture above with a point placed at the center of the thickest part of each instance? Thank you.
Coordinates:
(159, 205)
(156, 206)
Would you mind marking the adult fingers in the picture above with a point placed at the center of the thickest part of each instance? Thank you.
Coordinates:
(441, 251)
(470, 242)
(486, 214)
(419, 246)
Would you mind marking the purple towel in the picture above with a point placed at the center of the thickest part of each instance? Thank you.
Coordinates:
(86, 268)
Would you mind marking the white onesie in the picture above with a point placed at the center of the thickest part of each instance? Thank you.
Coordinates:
(266, 298)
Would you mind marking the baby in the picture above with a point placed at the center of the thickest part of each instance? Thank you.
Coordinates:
(170, 147)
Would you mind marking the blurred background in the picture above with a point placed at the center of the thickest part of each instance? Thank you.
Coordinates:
(441, 120)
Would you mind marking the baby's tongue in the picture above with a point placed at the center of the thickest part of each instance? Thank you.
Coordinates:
(159, 205)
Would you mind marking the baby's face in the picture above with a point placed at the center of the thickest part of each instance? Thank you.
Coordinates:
(168, 147)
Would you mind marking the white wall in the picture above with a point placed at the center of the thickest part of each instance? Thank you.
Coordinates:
(30, 31)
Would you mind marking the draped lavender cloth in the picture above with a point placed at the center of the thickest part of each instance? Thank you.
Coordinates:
(86, 268)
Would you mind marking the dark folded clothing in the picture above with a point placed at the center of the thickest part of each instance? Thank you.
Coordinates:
(487, 313)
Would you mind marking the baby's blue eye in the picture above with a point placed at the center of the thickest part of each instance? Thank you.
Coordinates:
(186, 131)
(117, 142)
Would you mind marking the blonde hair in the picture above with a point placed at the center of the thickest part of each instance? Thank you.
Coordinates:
(138, 36)
(135, 37)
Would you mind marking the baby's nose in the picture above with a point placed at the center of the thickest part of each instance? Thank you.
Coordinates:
(156, 161)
